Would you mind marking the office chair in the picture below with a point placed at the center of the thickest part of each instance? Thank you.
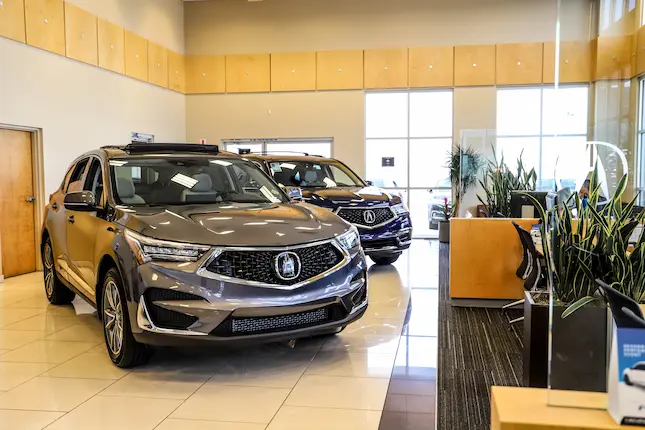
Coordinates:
(530, 270)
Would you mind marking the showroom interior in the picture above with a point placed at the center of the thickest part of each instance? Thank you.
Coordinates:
(477, 239)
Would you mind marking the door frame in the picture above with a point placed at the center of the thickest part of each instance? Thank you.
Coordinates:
(38, 173)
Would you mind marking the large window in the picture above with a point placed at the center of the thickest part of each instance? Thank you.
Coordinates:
(408, 138)
(548, 127)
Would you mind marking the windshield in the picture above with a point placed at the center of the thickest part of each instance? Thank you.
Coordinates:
(308, 174)
(190, 180)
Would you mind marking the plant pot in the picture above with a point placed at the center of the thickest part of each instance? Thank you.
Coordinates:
(444, 231)
(579, 342)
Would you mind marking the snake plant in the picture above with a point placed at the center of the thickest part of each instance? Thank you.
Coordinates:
(498, 183)
(595, 248)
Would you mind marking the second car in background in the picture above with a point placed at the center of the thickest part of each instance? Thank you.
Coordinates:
(381, 217)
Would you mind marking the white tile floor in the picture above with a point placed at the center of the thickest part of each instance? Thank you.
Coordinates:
(55, 374)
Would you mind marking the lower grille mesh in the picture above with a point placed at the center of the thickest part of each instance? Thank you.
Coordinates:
(165, 318)
(256, 325)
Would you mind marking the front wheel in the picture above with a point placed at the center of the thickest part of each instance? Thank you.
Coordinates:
(627, 380)
(381, 261)
(123, 349)
(57, 293)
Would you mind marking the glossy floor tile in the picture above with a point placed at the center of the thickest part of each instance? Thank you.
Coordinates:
(379, 373)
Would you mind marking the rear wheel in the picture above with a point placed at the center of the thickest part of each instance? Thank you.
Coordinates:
(381, 261)
(123, 349)
(57, 293)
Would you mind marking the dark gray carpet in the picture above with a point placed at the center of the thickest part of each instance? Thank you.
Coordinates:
(477, 348)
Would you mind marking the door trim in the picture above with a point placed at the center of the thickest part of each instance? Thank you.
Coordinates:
(38, 169)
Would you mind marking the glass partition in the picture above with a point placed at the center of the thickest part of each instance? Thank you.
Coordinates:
(588, 155)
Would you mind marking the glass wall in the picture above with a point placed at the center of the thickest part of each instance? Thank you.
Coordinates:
(408, 139)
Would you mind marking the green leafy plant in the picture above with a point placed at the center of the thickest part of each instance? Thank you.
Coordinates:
(465, 164)
(499, 182)
(594, 248)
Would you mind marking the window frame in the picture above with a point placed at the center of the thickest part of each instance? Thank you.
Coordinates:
(640, 143)
(542, 135)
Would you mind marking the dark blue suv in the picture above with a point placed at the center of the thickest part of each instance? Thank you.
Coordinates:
(382, 219)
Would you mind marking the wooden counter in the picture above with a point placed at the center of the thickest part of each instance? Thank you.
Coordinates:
(484, 256)
(516, 408)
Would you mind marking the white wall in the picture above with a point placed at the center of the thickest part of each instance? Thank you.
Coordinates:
(161, 21)
(236, 26)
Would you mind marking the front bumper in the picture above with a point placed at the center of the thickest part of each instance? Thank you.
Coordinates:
(390, 239)
(176, 307)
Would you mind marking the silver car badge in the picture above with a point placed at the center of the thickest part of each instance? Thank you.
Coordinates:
(369, 216)
(287, 265)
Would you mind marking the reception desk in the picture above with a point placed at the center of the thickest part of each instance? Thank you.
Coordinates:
(517, 408)
(484, 256)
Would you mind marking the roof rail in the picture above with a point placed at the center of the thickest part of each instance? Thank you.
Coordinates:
(247, 151)
(142, 148)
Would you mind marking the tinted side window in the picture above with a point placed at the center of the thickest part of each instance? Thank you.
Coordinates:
(94, 179)
(640, 367)
(75, 183)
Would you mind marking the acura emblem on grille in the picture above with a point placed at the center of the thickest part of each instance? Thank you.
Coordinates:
(287, 265)
(369, 216)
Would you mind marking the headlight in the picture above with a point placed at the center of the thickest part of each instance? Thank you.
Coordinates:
(350, 239)
(399, 209)
(147, 249)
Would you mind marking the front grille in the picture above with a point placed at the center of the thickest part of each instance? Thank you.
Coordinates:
(259, 266)
(165, 318)
(244, 326)
(380, 243)
(357, 216)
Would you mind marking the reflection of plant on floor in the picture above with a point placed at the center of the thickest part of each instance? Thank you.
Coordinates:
(498, 183)
(594, 248)
(464, 164)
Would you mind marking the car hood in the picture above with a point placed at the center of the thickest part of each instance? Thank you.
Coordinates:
(357, 196)
(242, 224)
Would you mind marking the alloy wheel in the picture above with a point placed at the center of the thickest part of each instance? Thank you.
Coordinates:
(48, 262)
(113, 317)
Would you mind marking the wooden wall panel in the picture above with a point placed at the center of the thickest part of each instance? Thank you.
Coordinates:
(176, 72)
(339, 70)
(205, 74)
(474, 65)
(293, 71)
(614, 57)
(575, 62)
(12, 20)
(81, 35)
(157, 65)
(111, 41)
(248, 73)
(518, 64)
(640, 50)
(431, 66)
(484, 256)
(386, 68)
(136, 56)
(45, 25)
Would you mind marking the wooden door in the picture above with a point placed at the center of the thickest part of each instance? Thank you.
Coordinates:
(16, 210)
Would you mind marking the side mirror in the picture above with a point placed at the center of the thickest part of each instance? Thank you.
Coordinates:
(294, 193)
(80, 201)
(370, 183)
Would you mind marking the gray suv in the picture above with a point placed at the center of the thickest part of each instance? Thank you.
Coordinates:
(178, 243)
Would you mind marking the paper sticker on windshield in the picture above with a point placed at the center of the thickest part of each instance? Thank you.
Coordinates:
(276, 167)
(316, 166)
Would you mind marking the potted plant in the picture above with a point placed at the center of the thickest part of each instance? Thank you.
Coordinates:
(464, 165)
(499, 182)
(596, 247)
(444, 225)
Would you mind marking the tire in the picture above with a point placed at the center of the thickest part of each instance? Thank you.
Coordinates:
(382, 261)
(628, 381)
(57, 293)
(123, 349)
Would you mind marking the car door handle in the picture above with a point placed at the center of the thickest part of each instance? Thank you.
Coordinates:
(70, 219)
